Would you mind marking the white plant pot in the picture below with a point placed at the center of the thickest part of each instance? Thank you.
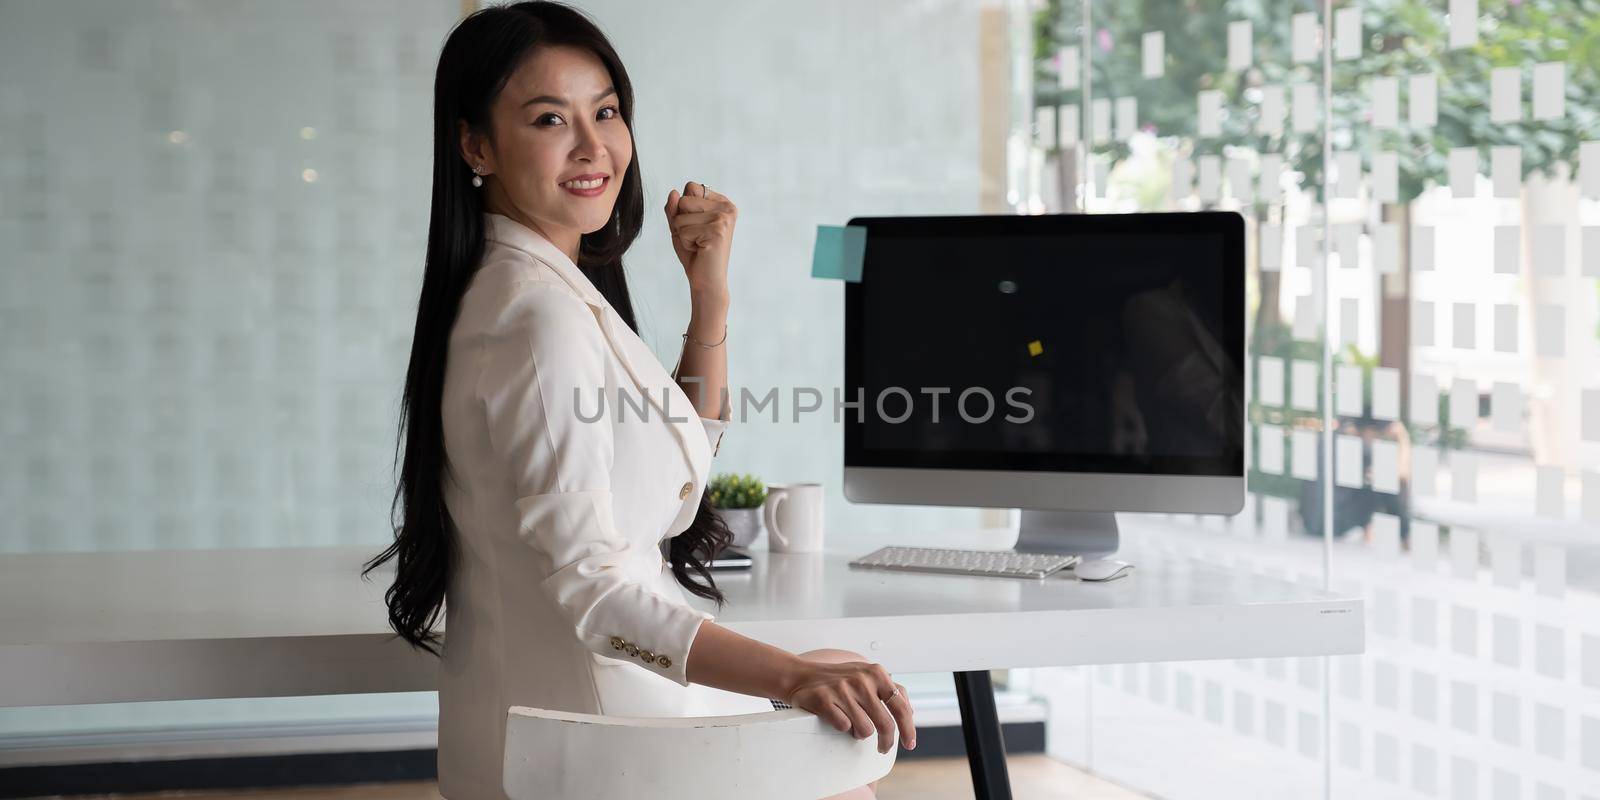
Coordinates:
(745, 523)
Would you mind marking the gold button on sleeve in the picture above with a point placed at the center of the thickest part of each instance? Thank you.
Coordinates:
(684, 492)
(632, 649)
(617, 643)
(647, 656)
(663, 661)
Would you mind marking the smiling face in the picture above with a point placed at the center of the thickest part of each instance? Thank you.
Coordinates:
(558, 119)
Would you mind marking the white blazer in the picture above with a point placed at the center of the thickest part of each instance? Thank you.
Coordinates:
(560, 597)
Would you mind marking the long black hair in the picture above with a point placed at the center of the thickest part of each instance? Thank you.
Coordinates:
(479, 56)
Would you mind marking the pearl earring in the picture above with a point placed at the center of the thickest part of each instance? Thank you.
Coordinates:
(477, 175)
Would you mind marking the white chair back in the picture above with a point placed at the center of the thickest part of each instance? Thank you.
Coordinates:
(785, 754)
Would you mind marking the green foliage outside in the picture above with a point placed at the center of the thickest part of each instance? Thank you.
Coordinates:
(1400, 38)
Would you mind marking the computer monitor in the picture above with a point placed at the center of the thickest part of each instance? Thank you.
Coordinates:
(1068, 365)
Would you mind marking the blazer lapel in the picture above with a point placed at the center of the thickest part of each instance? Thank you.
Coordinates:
(659, 389)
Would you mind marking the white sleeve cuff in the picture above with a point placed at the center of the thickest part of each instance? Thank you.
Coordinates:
(714, 430)
(668, 636)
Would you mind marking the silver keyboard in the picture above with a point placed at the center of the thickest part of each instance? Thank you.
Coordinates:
(996, 563)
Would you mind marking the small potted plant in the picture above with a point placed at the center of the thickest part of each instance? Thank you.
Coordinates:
(738, 500)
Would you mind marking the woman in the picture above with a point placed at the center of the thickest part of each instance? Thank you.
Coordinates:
(547, 453)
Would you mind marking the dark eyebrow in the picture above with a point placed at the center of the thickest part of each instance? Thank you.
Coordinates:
(556, 101)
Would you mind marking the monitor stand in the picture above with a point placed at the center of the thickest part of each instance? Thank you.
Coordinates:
(1090, 534)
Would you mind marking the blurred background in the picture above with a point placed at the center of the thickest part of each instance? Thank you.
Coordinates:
(212, 217)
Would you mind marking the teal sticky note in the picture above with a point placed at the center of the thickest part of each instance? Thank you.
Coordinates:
(838, 252)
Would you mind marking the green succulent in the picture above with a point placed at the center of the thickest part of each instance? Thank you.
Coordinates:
(728, 490)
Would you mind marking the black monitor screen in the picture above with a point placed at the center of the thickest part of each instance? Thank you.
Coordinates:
(1064, 343)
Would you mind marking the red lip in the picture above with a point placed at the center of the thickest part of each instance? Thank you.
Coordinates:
(605, 182)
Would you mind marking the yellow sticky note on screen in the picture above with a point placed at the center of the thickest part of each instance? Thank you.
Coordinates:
(1035, 347)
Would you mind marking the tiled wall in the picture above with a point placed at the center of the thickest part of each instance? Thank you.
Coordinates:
(208, 214)
(212, 217)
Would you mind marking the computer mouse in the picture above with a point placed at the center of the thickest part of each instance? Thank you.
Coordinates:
(1101, 569)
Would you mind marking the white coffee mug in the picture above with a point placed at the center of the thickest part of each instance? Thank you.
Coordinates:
(794, 518)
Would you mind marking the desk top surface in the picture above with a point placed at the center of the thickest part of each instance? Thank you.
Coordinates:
(176, 595)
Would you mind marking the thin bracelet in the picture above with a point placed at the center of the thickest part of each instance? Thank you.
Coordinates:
(703, 345)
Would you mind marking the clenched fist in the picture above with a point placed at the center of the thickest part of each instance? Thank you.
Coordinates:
(701, 222)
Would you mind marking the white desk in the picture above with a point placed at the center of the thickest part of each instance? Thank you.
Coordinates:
(167, 625)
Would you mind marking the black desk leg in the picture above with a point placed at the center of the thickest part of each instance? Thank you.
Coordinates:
(980, 728)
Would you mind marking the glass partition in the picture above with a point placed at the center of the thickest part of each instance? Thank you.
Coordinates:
(1421, 183)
